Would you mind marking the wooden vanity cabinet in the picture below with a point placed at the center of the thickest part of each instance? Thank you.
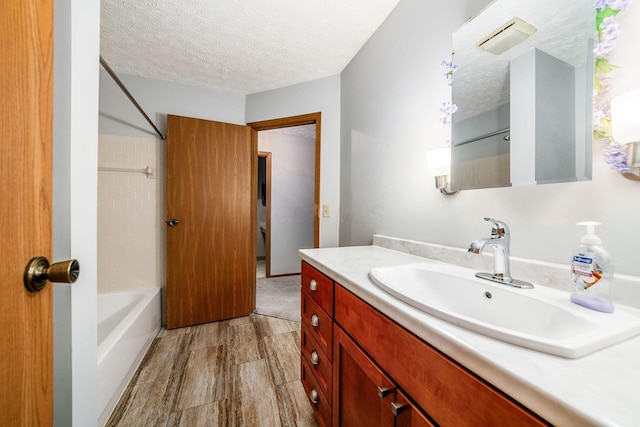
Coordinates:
(360, 368)
(444, 390)
(317, 341)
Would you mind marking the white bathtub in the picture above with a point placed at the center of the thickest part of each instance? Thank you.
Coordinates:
(127, 324)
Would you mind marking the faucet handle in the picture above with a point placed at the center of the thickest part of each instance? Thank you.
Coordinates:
(500, 229)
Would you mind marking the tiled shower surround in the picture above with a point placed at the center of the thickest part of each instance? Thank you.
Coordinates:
(131, 210)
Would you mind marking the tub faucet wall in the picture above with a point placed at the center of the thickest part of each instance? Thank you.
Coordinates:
(131, 209)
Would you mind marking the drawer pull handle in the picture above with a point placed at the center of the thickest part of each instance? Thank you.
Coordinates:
(313, 396)
(313, 285)
(384, 391)
(315, 359)
(396, 407)
(315, 320)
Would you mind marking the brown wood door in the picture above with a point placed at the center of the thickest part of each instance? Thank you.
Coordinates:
(26, 112)
(211, 192)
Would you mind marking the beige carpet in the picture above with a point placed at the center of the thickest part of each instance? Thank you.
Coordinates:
(279, 297)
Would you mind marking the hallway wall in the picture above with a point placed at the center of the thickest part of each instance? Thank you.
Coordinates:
(292, 196)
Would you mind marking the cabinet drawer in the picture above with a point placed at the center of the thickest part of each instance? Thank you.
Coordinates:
(318, 362)
(320, 405)
(319, 286)
(446, 391)
(319, 323)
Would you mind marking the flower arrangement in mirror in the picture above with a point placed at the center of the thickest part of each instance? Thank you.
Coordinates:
(448, 108)
(607, 30)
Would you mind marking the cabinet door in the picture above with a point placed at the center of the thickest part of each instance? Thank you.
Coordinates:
(362, 393)
(408, 415)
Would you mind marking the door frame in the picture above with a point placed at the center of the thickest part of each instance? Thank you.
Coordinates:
(267, 233)
(285, 122)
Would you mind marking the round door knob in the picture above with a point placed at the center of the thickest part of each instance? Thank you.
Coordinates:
(172, 222)
(38, 272)
(313, 285)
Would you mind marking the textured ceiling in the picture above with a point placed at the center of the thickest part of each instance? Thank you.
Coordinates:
(563, 30)
(240, 46)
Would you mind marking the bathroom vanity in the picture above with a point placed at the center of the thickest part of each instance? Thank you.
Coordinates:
(370, 359)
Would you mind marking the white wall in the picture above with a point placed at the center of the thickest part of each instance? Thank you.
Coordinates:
(391, 93)
(131, 211)
(291, 198)
(322, 95)
(158, 98)
(75, 146)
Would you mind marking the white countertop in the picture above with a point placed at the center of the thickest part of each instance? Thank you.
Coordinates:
(602, 388)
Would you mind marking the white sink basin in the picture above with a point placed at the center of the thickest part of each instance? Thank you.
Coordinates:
(542, 318)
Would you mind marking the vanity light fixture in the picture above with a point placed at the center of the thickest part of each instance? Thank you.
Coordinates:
(439, 166)
(507, 36)
(625, 129)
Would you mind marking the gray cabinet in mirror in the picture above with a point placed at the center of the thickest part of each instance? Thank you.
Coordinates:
(524, 98)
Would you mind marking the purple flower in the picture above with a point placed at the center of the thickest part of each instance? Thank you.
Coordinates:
(613, 4)
(447, 109)
(607, 38)
(450, 68)
(616, 157)
(448, 65)
(615, 154)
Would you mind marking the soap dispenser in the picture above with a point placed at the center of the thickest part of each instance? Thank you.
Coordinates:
(592, 272)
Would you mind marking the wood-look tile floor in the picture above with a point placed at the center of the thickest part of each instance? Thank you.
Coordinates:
(239, 372)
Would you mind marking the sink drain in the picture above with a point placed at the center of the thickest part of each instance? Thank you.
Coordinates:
(488, 295)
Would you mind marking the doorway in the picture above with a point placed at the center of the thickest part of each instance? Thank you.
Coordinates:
(283, 213)
(264, 217)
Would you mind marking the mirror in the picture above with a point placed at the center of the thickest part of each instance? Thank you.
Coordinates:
(524, 116)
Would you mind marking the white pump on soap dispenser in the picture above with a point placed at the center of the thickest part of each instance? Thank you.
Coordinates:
(592, 272)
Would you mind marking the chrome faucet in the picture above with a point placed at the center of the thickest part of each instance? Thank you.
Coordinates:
(500, 240)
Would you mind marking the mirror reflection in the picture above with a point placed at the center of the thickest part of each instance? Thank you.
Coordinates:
(523, 89)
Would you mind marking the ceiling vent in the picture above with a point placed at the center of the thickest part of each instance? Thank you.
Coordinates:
(507, 36)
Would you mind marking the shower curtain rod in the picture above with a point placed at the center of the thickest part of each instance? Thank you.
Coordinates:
(126, 92)
(506, 138)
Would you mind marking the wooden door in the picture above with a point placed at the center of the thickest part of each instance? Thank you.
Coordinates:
(362, 393)
(211, 192)
(26, 112)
